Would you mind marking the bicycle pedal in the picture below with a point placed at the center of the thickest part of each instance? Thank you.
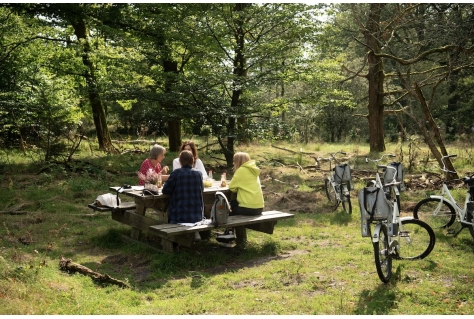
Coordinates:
(451, 231)
(404, 233)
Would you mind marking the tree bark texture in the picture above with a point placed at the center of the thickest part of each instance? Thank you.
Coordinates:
(98, 112)
(375, 78)
(239, 74)
(174, 124)
(433, 130)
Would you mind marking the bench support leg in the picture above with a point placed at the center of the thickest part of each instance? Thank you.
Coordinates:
(241, 234)
(167, 245)
(135, 234)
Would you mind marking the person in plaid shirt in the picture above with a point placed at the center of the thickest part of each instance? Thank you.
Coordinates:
(185, 187)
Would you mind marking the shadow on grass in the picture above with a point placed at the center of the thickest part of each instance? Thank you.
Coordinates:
(340, 217)
(149, 268)
(382, 299)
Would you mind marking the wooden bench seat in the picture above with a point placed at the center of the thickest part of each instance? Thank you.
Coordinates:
(184, 235)
(122, 207)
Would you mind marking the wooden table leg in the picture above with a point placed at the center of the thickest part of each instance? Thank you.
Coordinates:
(141, 209)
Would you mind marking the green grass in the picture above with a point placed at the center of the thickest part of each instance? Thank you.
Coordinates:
(316, 263)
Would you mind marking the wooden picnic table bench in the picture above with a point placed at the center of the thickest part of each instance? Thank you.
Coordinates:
(135, 214)
(184, 235)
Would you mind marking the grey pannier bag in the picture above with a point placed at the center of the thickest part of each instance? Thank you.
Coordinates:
(342, 174)
(388, 175)
(373, 206)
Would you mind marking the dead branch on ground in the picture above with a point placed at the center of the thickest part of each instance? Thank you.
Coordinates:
(69, 266)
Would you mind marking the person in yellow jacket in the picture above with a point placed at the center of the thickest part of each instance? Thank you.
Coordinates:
(246, 183)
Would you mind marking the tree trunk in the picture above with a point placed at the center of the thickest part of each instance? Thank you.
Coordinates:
(240, 73)
(174, 124)
(98, 112)
(375, 78)
(433, 128)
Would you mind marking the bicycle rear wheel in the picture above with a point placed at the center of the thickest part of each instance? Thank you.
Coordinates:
(383, 259)
(346, 199)
(425, 211)
(416, 239)
(469, 219)
(330, 191)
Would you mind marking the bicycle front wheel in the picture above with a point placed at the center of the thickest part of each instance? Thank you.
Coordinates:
(330, 191)
(434, 213)
(383, 258)
(416, 239)
(346, 199)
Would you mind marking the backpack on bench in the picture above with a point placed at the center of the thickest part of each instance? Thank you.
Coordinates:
(220, 209)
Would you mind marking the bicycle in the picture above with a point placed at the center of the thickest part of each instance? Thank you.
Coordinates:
(388, 176)
(338, 185)
(440, 211)
(393, 237)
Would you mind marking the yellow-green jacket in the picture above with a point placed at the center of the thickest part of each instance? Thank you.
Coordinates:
(246, 183)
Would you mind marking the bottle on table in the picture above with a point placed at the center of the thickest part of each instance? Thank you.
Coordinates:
(159, 182)
(210, 174)
(223, 180)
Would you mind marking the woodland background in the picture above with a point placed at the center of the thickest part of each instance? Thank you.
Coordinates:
(234, 73)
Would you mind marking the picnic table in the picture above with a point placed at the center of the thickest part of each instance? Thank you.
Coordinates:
(159, 203)
(135, 214)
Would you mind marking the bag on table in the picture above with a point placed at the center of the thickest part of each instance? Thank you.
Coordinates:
(220, 209)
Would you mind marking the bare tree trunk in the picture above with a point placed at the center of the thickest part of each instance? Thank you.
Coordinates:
(375, 78)
(428, 119)
(174, 124)
(240, 73)
(98, 112)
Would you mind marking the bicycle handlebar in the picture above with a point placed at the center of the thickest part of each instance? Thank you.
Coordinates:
(378, 160)
(331, 157)
(444, 164)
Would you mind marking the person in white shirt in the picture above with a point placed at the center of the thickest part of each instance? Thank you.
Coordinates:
(198, 165)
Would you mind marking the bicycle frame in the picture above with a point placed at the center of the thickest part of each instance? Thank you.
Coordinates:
(331, 179)
(460, 212)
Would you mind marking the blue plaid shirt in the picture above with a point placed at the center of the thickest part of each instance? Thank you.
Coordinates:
(185, 186)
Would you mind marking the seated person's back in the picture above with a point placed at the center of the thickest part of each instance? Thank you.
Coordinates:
(185, 187)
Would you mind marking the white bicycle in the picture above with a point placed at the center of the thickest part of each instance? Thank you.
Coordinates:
(440, 211)
(393, 236)
(338, 184)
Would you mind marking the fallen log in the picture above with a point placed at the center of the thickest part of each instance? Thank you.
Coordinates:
(294, 152)
(69, 266)
(13, 212)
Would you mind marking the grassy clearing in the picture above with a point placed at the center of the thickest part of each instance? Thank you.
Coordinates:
(316, 263)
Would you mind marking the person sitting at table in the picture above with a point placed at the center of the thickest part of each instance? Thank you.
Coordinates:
(246, 183)
(185, 187)
(190, 146)
(157, 154)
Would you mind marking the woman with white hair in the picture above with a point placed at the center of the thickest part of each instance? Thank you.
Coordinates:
(157, 154)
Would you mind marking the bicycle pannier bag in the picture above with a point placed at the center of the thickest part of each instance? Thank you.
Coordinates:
(470, 182)
(388, 175)
(342, 173)
(373, 206)
(220, 209)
